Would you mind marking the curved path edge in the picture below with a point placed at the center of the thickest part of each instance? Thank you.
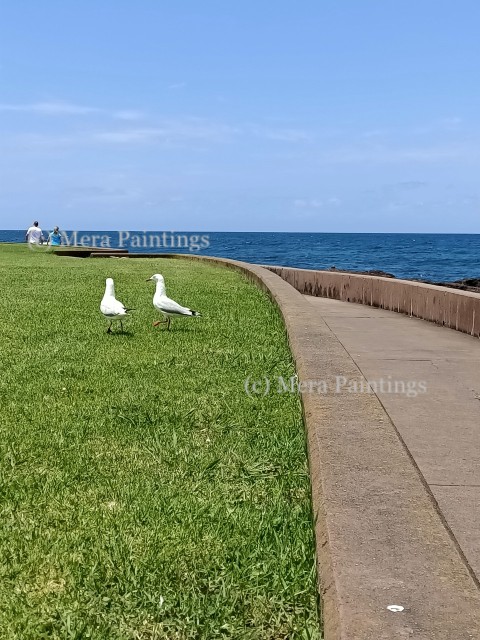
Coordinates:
(380, 538)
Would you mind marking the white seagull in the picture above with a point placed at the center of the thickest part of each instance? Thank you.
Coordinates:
(169, 308)
(112, 308)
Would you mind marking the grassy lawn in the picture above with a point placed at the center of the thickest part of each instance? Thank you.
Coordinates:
(144, 495)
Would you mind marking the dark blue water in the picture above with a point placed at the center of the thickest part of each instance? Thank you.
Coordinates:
(445, 257)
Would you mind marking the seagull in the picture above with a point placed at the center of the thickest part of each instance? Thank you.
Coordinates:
(165, 305)
(112, 308)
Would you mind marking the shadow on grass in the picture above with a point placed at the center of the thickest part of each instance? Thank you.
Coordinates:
(118, 334)
(176, 329)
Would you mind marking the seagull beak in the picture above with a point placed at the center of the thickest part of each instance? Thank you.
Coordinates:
(148, 280)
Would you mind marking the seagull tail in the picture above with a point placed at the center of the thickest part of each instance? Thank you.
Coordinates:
(195, 313)
(130, 309)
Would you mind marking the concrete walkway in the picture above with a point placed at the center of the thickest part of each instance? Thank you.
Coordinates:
(439, 418)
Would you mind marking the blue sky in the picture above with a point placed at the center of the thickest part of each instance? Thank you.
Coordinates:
(342, 115)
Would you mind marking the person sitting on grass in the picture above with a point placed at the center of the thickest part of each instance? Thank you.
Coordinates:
(55, 238)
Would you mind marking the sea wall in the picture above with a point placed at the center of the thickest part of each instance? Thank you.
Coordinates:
(451, 308)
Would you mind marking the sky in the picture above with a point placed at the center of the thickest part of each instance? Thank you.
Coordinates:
(339, 115)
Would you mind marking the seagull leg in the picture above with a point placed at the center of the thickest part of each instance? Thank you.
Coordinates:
(109, 330)
(157, 322)
(168, 323)
(121, 326)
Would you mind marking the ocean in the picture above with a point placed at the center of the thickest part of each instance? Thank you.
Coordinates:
(437, 257)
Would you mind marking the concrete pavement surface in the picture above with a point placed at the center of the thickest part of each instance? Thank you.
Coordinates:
(427, 378)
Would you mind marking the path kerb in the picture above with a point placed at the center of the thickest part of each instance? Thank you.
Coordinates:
(380, 538)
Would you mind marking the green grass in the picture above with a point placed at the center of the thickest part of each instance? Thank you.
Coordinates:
(144, 495)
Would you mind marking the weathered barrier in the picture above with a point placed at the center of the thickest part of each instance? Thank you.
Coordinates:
(451, 308)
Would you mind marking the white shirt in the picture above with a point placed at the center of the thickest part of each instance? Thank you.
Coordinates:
(34, 235)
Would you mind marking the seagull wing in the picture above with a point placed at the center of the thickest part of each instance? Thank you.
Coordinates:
(166, 305)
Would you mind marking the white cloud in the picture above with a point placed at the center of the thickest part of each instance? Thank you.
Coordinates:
(374, 133)
(283, 135)
(170, 131)
(409, 185)
(69, 109)
(127, 114)
(130, 136)
(176, 128)
(50, 108)
(452, 121)
(334, 201)
(307, 203)
(315, 203)
(449, 123)
(100, 194)
(37, 140)
(393, 155)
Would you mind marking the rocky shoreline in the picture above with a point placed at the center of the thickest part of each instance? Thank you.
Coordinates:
(467, 284)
